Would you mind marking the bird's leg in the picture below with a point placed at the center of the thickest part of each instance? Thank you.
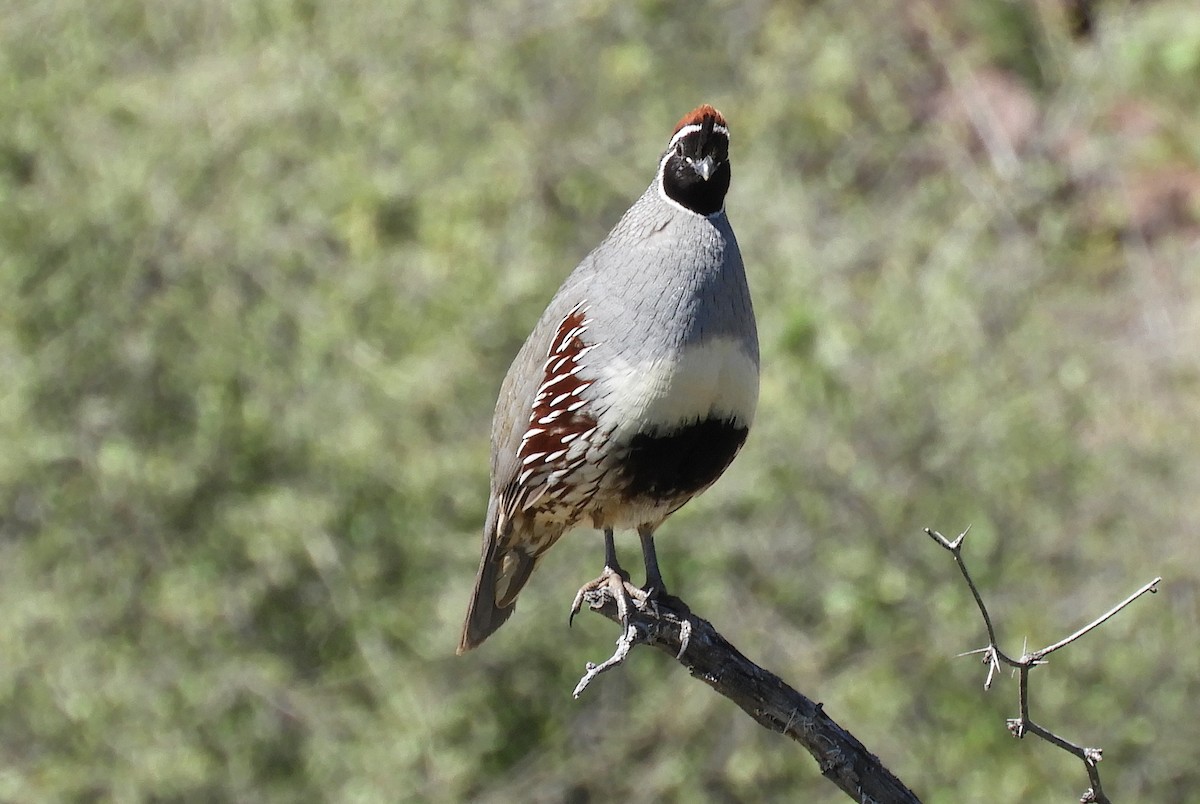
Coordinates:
(654, 587)
(655, 590)
(610, 554)
(615, 579)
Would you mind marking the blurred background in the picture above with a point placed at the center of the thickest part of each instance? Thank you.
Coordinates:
(263, 266)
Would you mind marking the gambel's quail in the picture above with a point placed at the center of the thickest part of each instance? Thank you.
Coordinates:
(636, 388)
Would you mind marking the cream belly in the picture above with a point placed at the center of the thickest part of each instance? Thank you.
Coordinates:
(715, 379)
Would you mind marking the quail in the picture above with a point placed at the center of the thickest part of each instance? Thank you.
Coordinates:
(635, 390)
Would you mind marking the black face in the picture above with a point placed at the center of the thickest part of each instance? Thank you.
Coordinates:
(683, 178)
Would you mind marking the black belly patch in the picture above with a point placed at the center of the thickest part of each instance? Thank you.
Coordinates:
(663, 465)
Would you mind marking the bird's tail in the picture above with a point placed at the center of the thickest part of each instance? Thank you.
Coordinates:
(502, 573)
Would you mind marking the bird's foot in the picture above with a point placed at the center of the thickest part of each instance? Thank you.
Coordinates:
(622, 591)
(647, 600)
(660, 599)
(655, 597)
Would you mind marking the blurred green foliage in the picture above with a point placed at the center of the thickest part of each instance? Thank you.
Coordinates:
(263, 266)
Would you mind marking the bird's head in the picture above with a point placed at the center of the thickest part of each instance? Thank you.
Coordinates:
(695, 169)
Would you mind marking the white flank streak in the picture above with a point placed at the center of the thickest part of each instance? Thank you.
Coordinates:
(716, 379)
(566, 341)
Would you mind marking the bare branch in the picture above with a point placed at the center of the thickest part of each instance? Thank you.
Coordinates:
(1151, 587)
(993, 657)
(625, 643)
(669, 626)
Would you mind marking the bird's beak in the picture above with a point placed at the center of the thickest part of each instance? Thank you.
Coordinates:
(706, 167)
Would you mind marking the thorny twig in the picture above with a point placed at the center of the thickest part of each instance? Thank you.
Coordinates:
(993, 656)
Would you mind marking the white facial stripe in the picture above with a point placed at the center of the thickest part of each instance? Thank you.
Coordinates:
(688, 129)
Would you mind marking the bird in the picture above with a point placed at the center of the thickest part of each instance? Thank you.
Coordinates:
(635, 390)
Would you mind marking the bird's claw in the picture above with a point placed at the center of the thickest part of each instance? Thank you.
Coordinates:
(622, 590)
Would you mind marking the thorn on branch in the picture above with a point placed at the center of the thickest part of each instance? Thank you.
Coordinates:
(953, 546)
